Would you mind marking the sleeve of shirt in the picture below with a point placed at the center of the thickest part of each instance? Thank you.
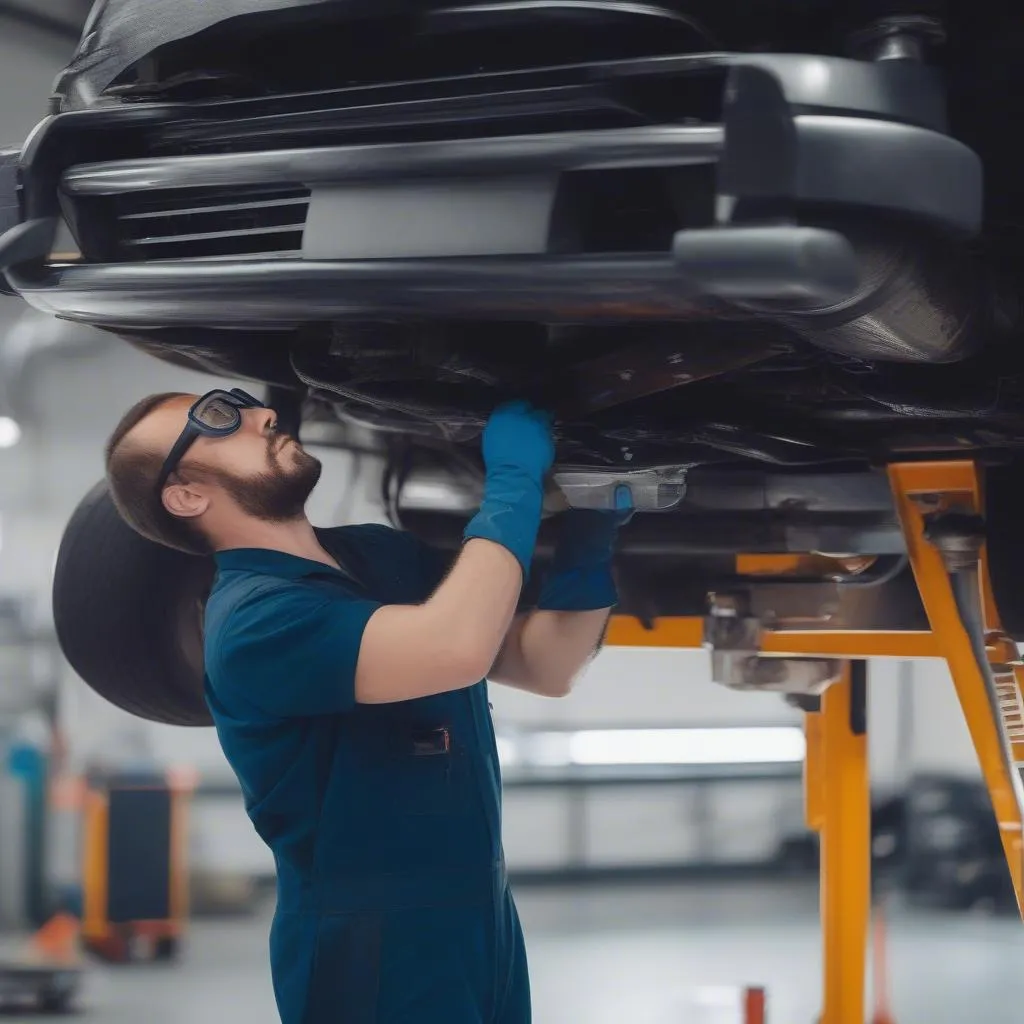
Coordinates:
(436, 563)
(292, 652)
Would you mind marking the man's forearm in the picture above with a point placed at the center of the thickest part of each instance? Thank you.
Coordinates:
(546, 651)
(448, 642)
(475, 604)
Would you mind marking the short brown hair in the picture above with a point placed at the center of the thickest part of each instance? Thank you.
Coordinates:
(132, 473)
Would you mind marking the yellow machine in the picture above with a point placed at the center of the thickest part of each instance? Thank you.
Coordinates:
(940, 506)
(135, 879)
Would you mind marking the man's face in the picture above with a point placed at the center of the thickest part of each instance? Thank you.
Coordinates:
(265, 473)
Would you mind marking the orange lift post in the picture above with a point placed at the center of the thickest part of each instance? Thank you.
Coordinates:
(940, 505)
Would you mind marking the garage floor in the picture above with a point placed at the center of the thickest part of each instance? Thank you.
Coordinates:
(650, 954)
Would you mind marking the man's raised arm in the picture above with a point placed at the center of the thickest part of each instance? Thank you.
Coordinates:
(451, 640)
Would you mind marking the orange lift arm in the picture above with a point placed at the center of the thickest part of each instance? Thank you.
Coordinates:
(939, 505)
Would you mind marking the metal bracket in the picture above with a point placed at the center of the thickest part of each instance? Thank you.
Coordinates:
(738, 670)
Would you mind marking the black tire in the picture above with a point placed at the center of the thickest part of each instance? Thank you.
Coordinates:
(128, 614)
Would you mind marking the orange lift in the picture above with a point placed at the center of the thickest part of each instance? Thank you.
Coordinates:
(940, 507)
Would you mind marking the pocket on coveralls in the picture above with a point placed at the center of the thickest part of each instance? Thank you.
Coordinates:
(416, 776)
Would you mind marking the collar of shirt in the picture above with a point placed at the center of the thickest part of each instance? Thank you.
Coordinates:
(269, 562)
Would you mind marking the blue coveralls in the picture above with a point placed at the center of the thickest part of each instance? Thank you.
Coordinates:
(384, 820)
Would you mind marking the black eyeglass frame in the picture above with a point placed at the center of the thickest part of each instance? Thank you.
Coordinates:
(196, 428)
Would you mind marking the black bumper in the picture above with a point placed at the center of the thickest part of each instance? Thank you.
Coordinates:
(797, 264)
(796, 135)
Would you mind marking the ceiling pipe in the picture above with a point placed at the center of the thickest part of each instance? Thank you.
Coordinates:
(33, 339)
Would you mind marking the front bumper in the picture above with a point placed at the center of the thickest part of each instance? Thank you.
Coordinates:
(802, 142)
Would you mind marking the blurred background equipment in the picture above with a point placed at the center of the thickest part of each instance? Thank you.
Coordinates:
(135, 884)
(953, 857)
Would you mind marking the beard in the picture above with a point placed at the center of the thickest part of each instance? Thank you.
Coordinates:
(280, 494)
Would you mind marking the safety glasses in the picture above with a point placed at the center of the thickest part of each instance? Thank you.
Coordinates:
(217, 414)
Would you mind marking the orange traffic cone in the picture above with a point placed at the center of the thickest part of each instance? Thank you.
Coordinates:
(754, 1006)
(56, 941)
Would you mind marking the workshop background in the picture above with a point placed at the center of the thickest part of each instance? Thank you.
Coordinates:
(654, 821)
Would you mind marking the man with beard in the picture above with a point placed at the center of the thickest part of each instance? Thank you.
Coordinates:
(345, 674)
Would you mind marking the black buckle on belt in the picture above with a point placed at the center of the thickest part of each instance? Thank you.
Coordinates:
(431, 742)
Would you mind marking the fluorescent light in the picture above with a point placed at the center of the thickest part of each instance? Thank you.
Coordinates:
(769, 745)
(668, 747)
(10, 432)
(549, 749)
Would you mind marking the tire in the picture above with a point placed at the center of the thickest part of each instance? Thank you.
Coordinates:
(128, 615)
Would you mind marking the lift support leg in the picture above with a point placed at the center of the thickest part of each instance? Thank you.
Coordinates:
(941, 509)
(838, 808)
(924, 492)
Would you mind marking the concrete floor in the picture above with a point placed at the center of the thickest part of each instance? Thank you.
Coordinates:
(650, 954)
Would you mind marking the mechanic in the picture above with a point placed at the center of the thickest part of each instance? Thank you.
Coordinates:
(344, 673)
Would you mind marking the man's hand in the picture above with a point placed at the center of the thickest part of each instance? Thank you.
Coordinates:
(518, 452)
(580, 577)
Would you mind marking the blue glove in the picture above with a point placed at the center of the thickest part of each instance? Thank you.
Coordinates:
(580, 577)
(518, 452)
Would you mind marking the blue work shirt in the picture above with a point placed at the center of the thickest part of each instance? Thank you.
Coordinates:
(365, 807)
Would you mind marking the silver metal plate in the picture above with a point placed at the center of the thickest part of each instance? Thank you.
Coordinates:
(394, 220)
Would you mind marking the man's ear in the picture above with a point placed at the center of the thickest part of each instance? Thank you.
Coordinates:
(185, 501)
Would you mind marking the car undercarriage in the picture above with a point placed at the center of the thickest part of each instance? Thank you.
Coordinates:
(694, 258)
(749, 255)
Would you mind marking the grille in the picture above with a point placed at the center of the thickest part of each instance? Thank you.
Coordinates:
(549, 101)
(210, 224)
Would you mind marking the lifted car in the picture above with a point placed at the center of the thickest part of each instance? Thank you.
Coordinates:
(750, 254)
